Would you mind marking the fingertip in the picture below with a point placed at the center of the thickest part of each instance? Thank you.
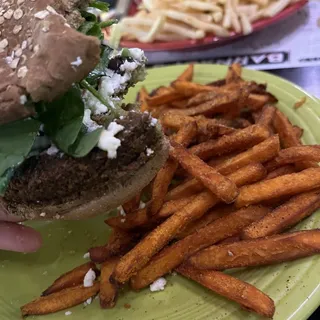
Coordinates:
(19, 238)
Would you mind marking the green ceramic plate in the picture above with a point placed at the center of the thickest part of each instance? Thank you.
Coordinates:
(295, 287)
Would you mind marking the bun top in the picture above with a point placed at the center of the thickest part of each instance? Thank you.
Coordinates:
(41, 54)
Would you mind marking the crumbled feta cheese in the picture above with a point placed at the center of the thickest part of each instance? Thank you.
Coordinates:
(3, 44)
(137, 54)
(86, 255)
(89, 278)
(24, 45)
(153, 122)
(23, 99)
(121, 117)
(113, 83)
(88, 122)
(51, 10)
(41, 14)
(22, 72)
(68, 313)
(92, 103)
(77, 62)
(230, 253)
(108, 142)
(142, 205)
(121, 211)
(128, 66)
(42, 214)
(52, 150)
(158, 285)
(149, 152)
(89, 301)
(122, 220)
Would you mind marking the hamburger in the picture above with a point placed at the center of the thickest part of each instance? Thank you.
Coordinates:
(69, 147)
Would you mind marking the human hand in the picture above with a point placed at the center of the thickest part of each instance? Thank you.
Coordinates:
(14, 236)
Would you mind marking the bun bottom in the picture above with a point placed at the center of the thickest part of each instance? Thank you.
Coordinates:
(94, 205)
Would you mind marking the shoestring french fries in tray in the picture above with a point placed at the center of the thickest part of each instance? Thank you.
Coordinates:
(174, 20)
(237, 179)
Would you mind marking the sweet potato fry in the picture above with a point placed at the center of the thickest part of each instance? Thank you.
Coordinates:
(141, 220)
(259, 252)
(172, 256)
(221, 103)
(108, 290)
(257, 101)
(175, 120)
(297, 154)
(281, 171)
(207, 95)
(132, 204)
(234, 73)
(216, 213)
(159, 110)
(212, 179)
(61, 300)
(248, 296)
(262, 152)
(135, 220)
(164, 97)
(235, 111)
(287, 185)
(201, 97)
(143, 96)
(237, 141)
(170, 207)
(180, 104)
(207, 128)
(217, 83)
(285, 216)
(139, 256)
(288, 136)
(188, 89)
(119, 243)
(298, 131)
(70, 279)
(163, 179)
(229, 240)
(159, 91)
(187, 74)
(266, 116)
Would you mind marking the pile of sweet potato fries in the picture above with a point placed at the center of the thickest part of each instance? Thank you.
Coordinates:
(237, 179)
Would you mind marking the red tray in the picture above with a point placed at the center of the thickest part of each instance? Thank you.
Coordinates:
(210, 40)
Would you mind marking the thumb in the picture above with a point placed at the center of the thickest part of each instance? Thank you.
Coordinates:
(20, 238)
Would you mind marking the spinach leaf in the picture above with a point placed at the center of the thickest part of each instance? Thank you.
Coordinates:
(91, 28)
(16, 140)
(62, 118)
(106, 24)
(100, 5)
(88, 16)
(99, 70)
(85, 143)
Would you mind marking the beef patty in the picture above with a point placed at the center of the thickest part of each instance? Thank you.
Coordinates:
(54, 179)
